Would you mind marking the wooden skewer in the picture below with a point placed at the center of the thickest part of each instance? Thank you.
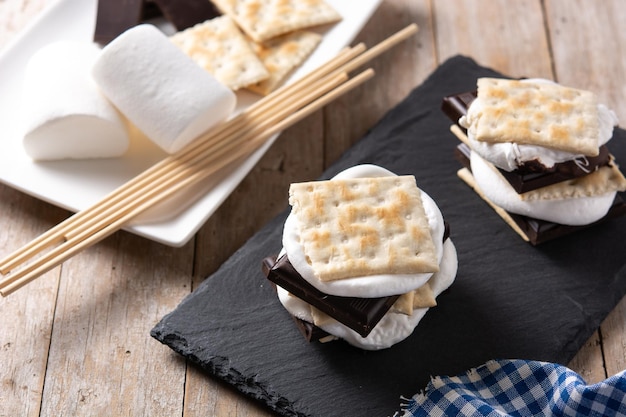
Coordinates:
(57, 234)
(90, 237)
(213, 151)
(210, 160)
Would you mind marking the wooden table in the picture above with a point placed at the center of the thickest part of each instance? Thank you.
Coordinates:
(76, 341)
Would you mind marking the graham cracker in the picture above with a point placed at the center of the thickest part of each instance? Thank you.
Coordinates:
(220, 47)
(467, 177)
(281, 55)
(264, 19)
(363, 226)
(536, 113)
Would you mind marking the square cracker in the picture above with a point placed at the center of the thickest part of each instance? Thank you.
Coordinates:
(220, 47)
(536, 113)
(605, 179)
(264, 19)
(281, 55)
(363, 226)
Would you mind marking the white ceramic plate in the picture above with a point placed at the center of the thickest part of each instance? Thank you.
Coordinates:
(76, 185)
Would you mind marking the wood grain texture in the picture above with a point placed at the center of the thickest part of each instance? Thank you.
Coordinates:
(508, 36)
(588, 48)
(76, 341)
(26, 319)
(589, 53)
(109, 298)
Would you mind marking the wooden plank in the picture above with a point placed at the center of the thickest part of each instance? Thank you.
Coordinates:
(589, 53)
(26, 316)
(614, 339)
(508, 36)
(205, 396)
(589, 48)
(392, 82)
(589, 362)
(102, 360)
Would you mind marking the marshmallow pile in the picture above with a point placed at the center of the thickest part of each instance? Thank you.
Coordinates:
(79, 100)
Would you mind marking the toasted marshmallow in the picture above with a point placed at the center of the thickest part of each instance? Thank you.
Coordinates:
(160, 89)
(64, 115)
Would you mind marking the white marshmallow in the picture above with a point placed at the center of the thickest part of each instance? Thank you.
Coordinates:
(393, 327)
(64, 115)
(570, 211)
(160, 89)
(374, 285)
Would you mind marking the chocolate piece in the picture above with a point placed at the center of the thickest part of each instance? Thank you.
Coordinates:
(539, 231)
(530, 178)
(150, 11)
(532, 174)
(311, 332)
(359, 314)
(186, 13)
(456, 105)
(114, 17)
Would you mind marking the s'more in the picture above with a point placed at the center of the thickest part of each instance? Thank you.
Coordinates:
(365, 256)
(536, 152)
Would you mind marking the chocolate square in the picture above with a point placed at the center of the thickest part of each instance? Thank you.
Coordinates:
(359, 314)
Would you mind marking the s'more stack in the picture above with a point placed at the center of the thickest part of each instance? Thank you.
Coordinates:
(536, 152)
(364, 257)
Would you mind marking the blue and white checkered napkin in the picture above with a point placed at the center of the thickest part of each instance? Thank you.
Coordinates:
(519, 388)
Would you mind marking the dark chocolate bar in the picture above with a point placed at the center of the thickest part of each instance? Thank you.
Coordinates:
(186, 13)
(114, 17)
(311, 332)
(456, 105)
(359, 314)
(532, 175)
(539, 231)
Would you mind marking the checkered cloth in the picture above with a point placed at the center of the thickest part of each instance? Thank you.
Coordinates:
(519, 388)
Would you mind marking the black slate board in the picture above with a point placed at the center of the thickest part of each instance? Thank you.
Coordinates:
(510, 300)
